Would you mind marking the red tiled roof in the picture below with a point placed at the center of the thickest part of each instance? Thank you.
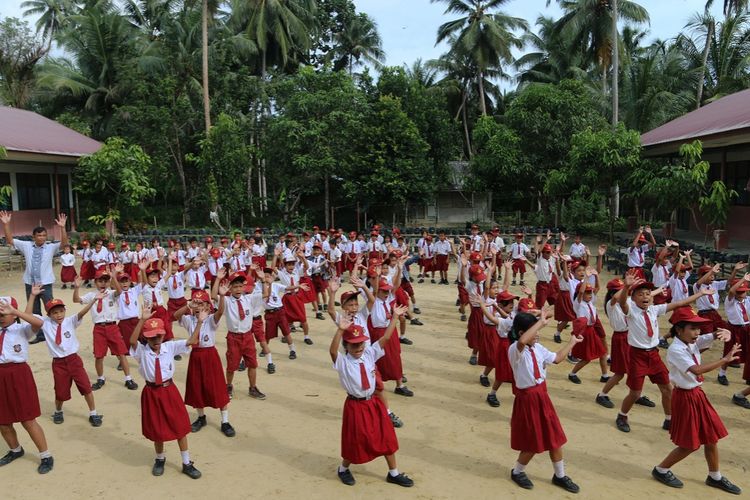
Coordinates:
(730, 113)
(28, 132)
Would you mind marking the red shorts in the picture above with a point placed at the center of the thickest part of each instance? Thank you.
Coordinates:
(19, 400)
(350, 261)
(429, 265)
(67, 370)
(276, 320)
(126, 327)
(108, 337)
(644, 364)
(406, 286)
(259, 329)
(519, 266)
(441, 263)
(241, 346)
(463, 295)
(260, 261)
(173, 305)
(319, 284)
(545, 292)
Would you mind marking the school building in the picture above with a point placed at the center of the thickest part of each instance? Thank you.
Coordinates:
(723, 127)
(38, 166)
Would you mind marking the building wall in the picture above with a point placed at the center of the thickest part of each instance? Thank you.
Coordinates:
(452, 208)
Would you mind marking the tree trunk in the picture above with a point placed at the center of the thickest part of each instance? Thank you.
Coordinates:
(176, 153)
(327, 201)
(466, 129)
(204, 34)
(615, 67)
(482, 103)
(706, 50)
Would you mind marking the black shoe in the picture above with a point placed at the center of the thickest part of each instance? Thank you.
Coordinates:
(64, 287)
(458, 302)
(230, 391)
(557, 339)
(432, 281)
(337, 303)
(95, 420)
(741, 401)
(663, 344)
(484, 380)
(522, 480)
(420, 280)
(255, 393)
(347, 478)
(574, 378)
(604, 401)
(722, 379)
(397, 423)
(416, 310)
(723, 484)
(199, 424)
(473, 360)
(88, 285)
(566, 483)
(403, 379)
(667, 478)
(320, 307)
(190, 471)
(292, 329)
(666, 424)
(227, 429)
(158, 468)
(46, 465)
(119, 368)
(406, 341)
(609, 361)
(401, 480)
(521, 283)
(415, 321)
(98, 384)
(644, 401)
(463, 317)
(411, 280)
(10, 456)
(131, 385)
(622, 423)
(572, 359)
(604, 378)
(242, 366)
(404, 391)
(271, 368)
(262, 354)
(292, 355)
(178, 357)
(513, 283)
(58, 417)
(492, 400)
(308, 341)
(320, 316)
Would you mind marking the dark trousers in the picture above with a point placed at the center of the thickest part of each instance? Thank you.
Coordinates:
(40, 299)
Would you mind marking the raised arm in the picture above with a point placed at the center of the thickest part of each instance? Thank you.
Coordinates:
(61, 221)
(35, 322)
(223, 289)
(5, 218)
(685, 302)
(398, 312)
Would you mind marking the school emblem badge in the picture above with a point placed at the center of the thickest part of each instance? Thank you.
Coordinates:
(153, 324)
(205, 338)
(17, 348)
(67, 335)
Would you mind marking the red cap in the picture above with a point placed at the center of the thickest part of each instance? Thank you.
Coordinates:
(51, 304)
(209, 239)
(290, 234)
(574, 264)
(153, 269)
(584, 287)
(519, 235)
(371, 272)
(237, 277)
(428, 238)
(383, 286)
(200, 295)
(742, 288)
(704, 269)
(289, 259)
(124, 244)
(215, 253)
(224, 239)
(171, 243)
(101, 273)
(85, 243)
(346, 296)
(355, 334)
(474, 226)
(546, 248)
(305, 233)
(615, 284)
(316, 228)
(397, 253)
(475, 256)
(505, 296)
(318, 246)
(526, 304)
(642, 239)
(153, 327)
(645, 284)
(373, 233)
(686, 314)
(477, 273)
(111, 246)
(123, 277)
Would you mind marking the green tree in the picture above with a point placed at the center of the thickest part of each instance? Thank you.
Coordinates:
(359, 40)
(20, 53)
(498, 165)
(553, 58)
(52, 14)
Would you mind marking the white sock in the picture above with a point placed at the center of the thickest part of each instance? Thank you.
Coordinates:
(393, 472)
(661, 470)
(722, 372)
(389, 411)
(45, 454)
(559, 469)
(128, 377)
(606, 374)
(493, 392)
(269, 358)
(307, 336)
(343, 469)
(291, 347)
(667, 417)
(17, 450)
(572, 374)
(557, 334)
(92, 413)
(201, 412)
(739, 395)
(715, 475)
(602, 394)
(224, 416)
(161, 456)
(100, 377)
(518, 468)
(185, 457)
(622, 414)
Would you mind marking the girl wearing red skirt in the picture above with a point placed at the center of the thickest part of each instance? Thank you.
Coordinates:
(19, 400)
(163, 414)
(534, 426)
(694, 420)
(175, 286)
(477, 283)
(501, 316)
(589, 326)
(571, 273)
(68, 267)
(87, 265)
(205, 383)
(291, 276)
(366, 431)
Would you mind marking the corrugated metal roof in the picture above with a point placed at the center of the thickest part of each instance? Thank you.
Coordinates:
(29, 132)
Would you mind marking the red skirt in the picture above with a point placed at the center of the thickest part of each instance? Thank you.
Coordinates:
(133, 271)
(474, 328)
(161, 313)
(19, 400)
(503, 370)
(173, 305)
(406, 286)
(68, 274)
(402, 298)
(620, 353)
(534, 425)
(694, 420)
(87, 270)
(163, 414)
(350, 261)
(389, 366)
(740, 335)
(716, 322)
(429, 265)
(126, 327)
(260, 261)
(463, 295)
(366, 431)
(294, 307)
(592, 346)
(487, 345)
(309, 295)
(205, 385)
(564, 307)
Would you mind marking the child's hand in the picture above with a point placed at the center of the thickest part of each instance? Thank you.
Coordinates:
(334, 284)
(508, 264)
(36, 289)
(732, 354)
(119, 268)
(707, 291)
(576, 339)
(400, 311)
(305, 287)
(101, 295)
(6, 308)
(723, 334)
(221, 273)
(740, 265)
(5, 217)
(526, 291)
(77, 282)
(223, 288)
(602, 250)
(203, 315)
(143, 265)
(345, 321)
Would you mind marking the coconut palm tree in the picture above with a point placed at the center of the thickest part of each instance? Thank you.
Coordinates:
(731, 6)
(20, 52)
(485, 36)
(358, 41)
(52, 15)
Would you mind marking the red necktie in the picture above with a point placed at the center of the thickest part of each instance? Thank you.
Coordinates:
(99, 305)
(240, 310)
(537, 373)
(711, 298)
(699, 378)
(549, 263)
(649, 326)
(157, 372)
(197, 284)
(640, 255)
(387, 311)
(58, 335)
(666, 274)
(592, 313)
(174, 283)
(127, 299)
(291, 280)
(684, 286)
(2, 339)
(154, 302)
(744, 312)
(363, 375)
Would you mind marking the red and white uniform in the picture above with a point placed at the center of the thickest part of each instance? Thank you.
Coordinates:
(643, 340)
(577, 251)
(67, 366)
(68, 267)
(619, 350)
(106, 332)
(679, 287)
(100, 258)
(244, 325)
(195, 278)
(738, 317)
(19, 400)
(205, 385)
(389, 366)
(637, 255)
(275, 316)
(193, 252)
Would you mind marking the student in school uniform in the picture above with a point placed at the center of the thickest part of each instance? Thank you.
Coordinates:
(99, 255)
(152, 279)
(638, 250)
(545, 274)
(661, 271)
(175, 282)
(106, 333)
(258, 251)
(737, 307)
(643, 339)
(128, 305)
(67, 366)
(534, 425)
(87, 264)
(488, 340)
(695, 421)
(577, 248)
(477, 283)
(195, 274)
(291, 276)
(518, 252)
(350, 250)
(19, 400)
(215, 261)
(163, 413)
(275, 314)
(443, 251)
(193, 250)
(335, 256)
(366, 430)
(67, 267)
(319, 271)
(588, 326)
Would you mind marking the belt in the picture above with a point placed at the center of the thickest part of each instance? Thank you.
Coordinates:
(240, 333)
(355, 398)
(645, 350)
(164, 384)
(272, 310)
(106, 323)
(706, 311)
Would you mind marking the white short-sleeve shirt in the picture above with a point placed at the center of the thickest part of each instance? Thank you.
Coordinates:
(146, 358)
(734, 310)
(274, 297)
(679, 287)
(207, 337)
(176, 285)
(350, 373)
(232, 313)
(617, 318)
(522, 364)
(637, 329)
(128, 303)
(16, 343)
(69, 341)
(681, 357)
(108, 313)
(706, 302)
(637, 255)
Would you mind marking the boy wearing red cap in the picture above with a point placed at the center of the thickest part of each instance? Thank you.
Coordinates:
(366, 431)
(638, 249)
(737, 307)
(695, 421)
(152, 279)
(106, 333)
(275, 313)
(381, 314)
(518, 253)
(19, 400)
(67, 366)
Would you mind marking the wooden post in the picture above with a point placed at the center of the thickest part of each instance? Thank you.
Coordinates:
(723, 172)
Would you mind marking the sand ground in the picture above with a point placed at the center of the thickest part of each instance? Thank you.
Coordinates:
(452, 444)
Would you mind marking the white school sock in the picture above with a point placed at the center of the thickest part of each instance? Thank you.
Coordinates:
(715, 475)
(185, 457)
(667, 417)
(603, 394)
(100, 377)
(161, 456)
(307, 336)
(201, 412)
(343, 469)
(393, 472)
(269, 358)
(518, 468)
(45, 454)
(92, 413)
(389, 411)
(622, 414)
(224, 416)
(722, 372)
(559, 469)
(17, 450)
(291, 347)
(661, 470)
(128, 377)
(493, 392)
